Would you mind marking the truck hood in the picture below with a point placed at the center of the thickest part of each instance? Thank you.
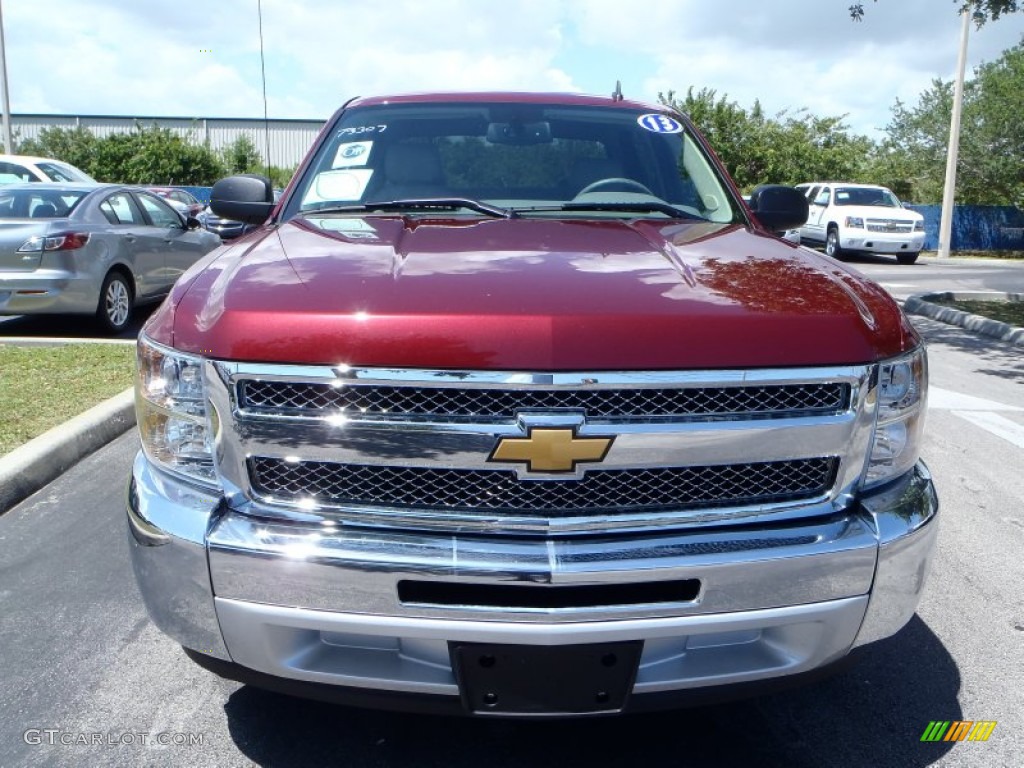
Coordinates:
(527, 294)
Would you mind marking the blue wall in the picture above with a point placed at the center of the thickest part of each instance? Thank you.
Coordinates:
(202, 194)
(975, 227)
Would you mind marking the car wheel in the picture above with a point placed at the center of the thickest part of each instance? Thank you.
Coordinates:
(907, 258)
(114, 312)
(832, 248)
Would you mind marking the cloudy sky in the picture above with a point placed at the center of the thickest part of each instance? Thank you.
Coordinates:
(168, 57)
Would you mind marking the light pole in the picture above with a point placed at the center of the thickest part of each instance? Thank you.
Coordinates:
(949, 190)
(8, 141)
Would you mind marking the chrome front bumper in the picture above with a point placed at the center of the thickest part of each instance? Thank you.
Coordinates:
(880, 242)
(312, 602)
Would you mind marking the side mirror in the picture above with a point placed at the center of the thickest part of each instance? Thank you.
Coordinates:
(248, 198)
(191, 222)
(779, 208)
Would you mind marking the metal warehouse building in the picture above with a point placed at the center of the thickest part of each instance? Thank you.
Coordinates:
(288, 139)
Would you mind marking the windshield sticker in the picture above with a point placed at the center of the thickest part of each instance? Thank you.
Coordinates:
(656, 123)
(338, 186)
(359, 130)
(354, 229)
(352, 153)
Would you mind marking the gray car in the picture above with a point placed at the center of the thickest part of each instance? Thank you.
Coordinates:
(91, 249)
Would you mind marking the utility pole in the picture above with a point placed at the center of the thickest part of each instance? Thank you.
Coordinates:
(8, 141)
(949, 190)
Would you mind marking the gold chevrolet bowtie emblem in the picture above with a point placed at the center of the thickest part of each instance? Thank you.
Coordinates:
(551, 450)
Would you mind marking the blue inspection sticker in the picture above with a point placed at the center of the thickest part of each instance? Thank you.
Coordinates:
(352, 153)
(656, 123)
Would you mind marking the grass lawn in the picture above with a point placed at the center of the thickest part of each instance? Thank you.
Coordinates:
(41, 387)
(1011, 312)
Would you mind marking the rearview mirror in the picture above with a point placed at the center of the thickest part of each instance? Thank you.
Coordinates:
(519, 133)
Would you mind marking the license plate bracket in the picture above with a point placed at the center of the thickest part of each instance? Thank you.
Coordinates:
(545, 679)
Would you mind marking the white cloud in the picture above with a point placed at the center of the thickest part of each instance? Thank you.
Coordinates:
(791, 54)
(111, 56)
(414, 46)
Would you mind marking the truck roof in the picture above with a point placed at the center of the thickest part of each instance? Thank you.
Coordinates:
(512, 97)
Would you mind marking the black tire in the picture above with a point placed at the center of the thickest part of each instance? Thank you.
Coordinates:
(907, 258)
(117, 304)
(832, 248)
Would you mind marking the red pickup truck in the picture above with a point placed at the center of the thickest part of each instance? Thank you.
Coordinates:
(512, 407)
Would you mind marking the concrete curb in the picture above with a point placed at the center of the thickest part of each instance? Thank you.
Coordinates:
(919, 304)
(31, 466)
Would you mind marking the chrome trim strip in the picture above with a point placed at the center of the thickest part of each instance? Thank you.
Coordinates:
(486, 522)
(527, 380)
(468, 446)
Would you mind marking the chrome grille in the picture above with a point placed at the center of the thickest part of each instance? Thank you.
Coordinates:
(889, 225)
(412, 448)
(598, 492)
(309, 398)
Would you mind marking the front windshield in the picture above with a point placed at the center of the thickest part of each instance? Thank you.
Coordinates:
(527, 158)
(872, 196)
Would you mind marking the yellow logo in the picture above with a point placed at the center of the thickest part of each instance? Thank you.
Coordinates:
(551, 450)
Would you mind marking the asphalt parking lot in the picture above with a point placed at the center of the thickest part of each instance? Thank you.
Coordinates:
(67, 327)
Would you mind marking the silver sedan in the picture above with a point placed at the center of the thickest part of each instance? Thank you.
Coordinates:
(91, 249)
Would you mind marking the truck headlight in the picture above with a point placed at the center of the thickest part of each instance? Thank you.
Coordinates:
(855, 222)
(170, 405)
(899, 421)
(919, 226)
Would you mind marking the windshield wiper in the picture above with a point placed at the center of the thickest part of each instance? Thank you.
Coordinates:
(420, 204)
(639, 206)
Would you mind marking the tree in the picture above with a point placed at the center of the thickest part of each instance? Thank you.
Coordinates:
(242, 156)
(990, 168)
(983, 10)
(72, 145)
(154, 155)
(785, 149)
(280, 175)
(142, 156)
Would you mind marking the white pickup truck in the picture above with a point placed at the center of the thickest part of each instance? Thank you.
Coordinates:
(861, 217)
